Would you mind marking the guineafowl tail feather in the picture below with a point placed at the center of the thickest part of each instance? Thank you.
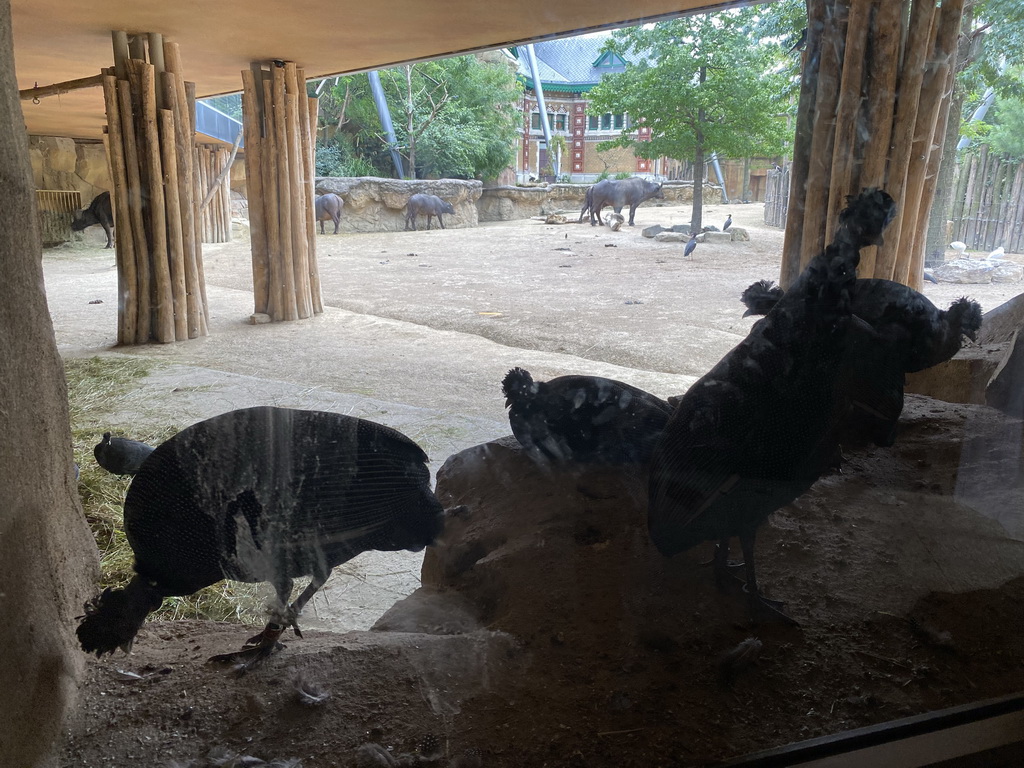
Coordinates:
(113, 618)
(518, 383)
(966, 314)
(760, 297)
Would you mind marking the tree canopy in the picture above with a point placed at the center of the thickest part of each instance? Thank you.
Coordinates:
(701, 83)
(453, 117)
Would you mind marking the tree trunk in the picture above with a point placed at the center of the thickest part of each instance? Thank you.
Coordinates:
(935, 245)
(745, 194)
(698, 168)
(409, 117)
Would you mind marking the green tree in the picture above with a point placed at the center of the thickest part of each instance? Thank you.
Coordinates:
(992, 34)
(701, 83)
(453, 117)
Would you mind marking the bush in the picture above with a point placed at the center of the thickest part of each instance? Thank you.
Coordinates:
(623, 175)
(337, 159)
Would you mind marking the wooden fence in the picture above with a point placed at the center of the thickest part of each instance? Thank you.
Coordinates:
(776, 198)
(988, 203)
(56, 209)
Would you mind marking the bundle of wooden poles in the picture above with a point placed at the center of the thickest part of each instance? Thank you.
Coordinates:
(213, 187)
(150, 146)
(988, 203)
(279, 121)
(874, 98)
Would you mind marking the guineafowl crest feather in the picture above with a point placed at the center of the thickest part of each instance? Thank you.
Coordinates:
(114, 617)
(518, 383)
(966, 313)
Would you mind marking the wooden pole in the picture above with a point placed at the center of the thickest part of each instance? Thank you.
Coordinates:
(911, 75)
(56, 89)
(138, 227)
(252, 120)
(283, 183)
(823, 139)
(156, 58)
(883, 45)
(270, 188)
(313, 105)
(137, 47)
(175, 242)
(846, 151)
(163, 330)
(792, 244)
(119, 40)
(127, 275)
(297, 198)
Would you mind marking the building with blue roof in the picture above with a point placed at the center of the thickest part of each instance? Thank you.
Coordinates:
(567, 70)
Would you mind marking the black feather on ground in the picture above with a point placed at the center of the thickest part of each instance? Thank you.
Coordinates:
(119, 455)
(263, 494)
(755, 432)
(910, 334)
(583, 418)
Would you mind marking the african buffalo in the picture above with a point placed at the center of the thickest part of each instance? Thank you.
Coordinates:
(429, 205)
(328, 208)
(98, 212)
(619, 193)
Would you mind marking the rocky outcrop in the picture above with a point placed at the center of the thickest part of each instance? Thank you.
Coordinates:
(60, 163)
(378, 205)
(508, 203)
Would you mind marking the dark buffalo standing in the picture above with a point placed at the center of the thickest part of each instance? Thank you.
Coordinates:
(428, 205)
(98, 212)
(328, 208)
(619, 193)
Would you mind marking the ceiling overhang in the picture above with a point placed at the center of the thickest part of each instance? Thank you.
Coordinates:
(59, 40)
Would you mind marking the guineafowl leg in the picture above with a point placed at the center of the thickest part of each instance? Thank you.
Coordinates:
(725, 581)
(761, 608)
(263, 645)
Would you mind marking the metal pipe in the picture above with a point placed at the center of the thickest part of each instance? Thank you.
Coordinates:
(538, 91)
(385, 120)
(718, 173)
(979, 114)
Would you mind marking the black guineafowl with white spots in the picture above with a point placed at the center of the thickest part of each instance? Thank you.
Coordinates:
(263, 495)
(583, 418)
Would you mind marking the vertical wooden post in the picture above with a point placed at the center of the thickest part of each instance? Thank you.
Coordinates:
(252, 123)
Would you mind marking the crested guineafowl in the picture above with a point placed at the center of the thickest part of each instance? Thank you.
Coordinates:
(263, 494)
(755, 432)
(583, 418)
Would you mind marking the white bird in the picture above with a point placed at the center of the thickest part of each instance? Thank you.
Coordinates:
(998, 253)
(959, 247)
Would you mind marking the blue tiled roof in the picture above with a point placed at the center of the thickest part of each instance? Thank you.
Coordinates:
(569, 61)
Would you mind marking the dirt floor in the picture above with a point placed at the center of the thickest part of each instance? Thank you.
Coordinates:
(418, 330)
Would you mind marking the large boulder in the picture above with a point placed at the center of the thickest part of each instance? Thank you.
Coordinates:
(378, 205)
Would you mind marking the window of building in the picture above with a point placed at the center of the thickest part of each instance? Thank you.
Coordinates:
(557, 122)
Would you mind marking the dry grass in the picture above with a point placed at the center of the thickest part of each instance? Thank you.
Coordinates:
(95, 388)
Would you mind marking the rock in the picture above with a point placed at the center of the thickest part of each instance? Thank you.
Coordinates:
(1006, 389)
(430, 612)
(1002, 323)
(717, 237)
(681, 228)
(378, 205)
(652, 230)
(555, 218)
(614, 221)
(671, 237)
(259, 318)
(962, 379)
(978, 271)
(739, 234)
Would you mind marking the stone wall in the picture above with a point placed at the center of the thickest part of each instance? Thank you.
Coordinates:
(510, 203)
(60, 163)
(378, 205)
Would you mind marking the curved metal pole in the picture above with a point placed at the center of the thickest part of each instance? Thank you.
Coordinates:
(385, 120)
(538, 91)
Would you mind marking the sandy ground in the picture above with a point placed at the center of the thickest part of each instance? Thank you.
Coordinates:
(418, 330)
(420, 327)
